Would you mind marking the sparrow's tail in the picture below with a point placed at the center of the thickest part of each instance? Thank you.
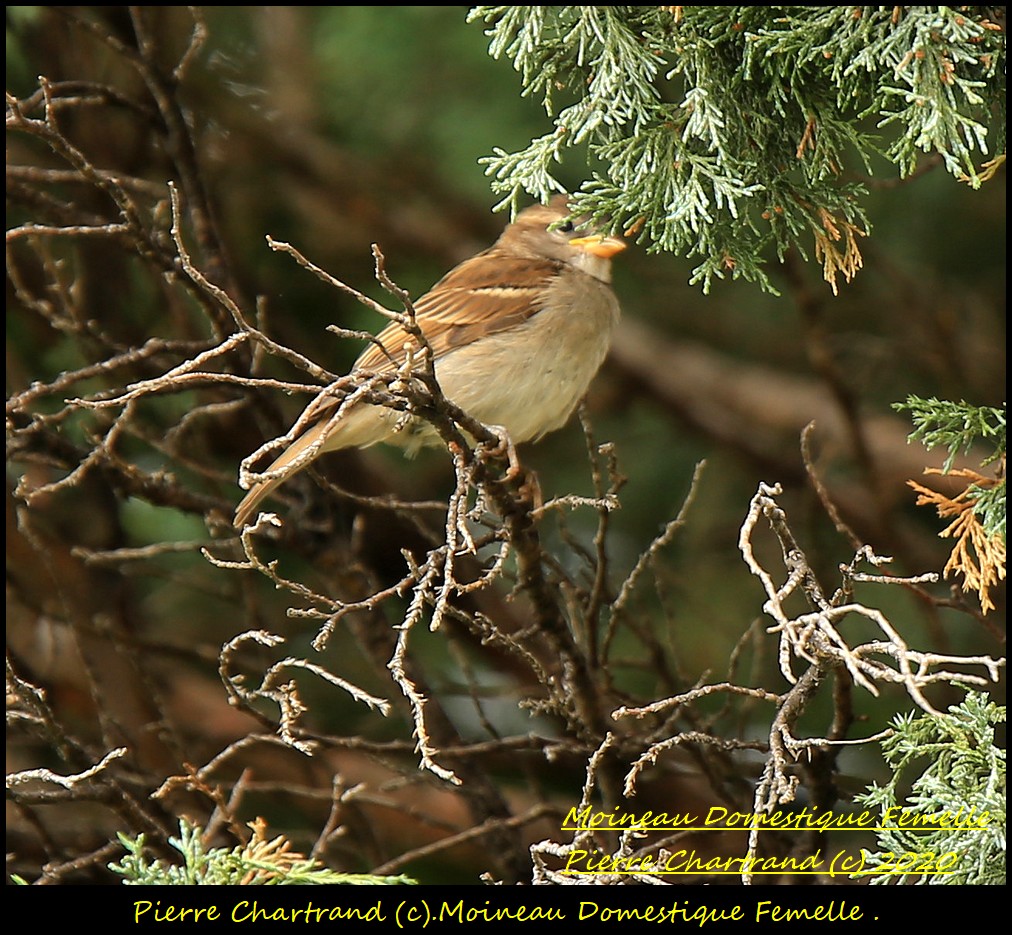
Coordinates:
(295, 452)
(359, 427)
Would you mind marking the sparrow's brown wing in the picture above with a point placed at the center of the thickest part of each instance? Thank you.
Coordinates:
(471, 301)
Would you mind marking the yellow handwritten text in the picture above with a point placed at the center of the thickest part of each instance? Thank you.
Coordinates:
(678, 911)
(462, 913)
(246, 911)
(765, 910)
(588, 819)
(172, 913)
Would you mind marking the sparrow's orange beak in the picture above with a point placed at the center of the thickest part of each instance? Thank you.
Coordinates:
(599, 245)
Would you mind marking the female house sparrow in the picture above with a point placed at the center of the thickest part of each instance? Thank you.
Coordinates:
(517, 334)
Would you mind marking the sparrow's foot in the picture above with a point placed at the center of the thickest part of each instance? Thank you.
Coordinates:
(530, 492)
(507, 448)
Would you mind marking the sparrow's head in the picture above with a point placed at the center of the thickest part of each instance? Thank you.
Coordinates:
(547, 231)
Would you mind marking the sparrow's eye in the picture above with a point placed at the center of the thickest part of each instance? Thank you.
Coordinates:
(566, 228)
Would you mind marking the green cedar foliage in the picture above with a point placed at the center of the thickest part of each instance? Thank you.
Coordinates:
(962, 784)
(721, 133)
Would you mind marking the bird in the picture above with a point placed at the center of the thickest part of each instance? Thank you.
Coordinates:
(517, 333)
